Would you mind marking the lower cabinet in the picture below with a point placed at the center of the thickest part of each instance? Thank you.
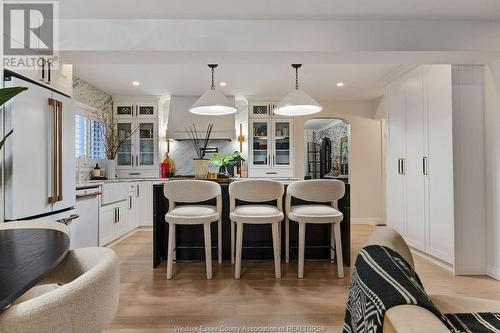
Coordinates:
(118, 218)
(114, 221)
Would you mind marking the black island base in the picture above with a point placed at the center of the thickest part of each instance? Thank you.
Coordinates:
(257, 239)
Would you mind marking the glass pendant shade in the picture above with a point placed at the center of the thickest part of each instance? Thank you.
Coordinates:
(297, 103)
(212, 103)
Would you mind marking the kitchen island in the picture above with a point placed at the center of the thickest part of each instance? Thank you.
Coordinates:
(257, 241)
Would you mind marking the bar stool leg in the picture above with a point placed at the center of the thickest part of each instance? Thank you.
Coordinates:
(276, 244)
(232, 242)
(287, 240)
(239, 245)
(175, 245)
(332, 242)
(338, 250)
(302, 244)
(171, 247)
(208, 249)
(219, 241)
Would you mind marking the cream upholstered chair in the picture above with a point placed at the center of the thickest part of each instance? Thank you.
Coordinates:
(35, 224)
(193, 191)
(322, 191)
(80, 295)
(414, 319)
(256, 191)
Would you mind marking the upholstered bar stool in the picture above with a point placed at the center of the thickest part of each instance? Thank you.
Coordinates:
(193, 191)
(320, 190)
(254, 191)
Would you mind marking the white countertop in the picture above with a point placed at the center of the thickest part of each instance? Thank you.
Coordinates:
(90, 183)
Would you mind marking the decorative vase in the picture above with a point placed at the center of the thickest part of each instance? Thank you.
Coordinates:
(200, 168)
(223, 173)
(110, 169)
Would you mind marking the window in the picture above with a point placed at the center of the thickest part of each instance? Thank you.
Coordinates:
(97, 145)
(89, 139)
(80, 136)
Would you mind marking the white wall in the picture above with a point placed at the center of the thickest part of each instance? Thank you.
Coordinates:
(365, 157)
(492, 157)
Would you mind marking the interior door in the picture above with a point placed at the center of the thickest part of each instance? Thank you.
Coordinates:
(438, 92)
(27, 168)
(282, 143)
(414, 166)
(396, 151)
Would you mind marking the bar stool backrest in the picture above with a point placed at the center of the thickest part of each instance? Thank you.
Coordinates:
(190, 191)
(258, 190)
(318, 190)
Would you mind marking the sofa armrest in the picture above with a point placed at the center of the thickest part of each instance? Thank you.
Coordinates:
(464, 304)
(412, 319)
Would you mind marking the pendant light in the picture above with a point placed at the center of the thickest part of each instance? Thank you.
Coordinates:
(212, 102)
(297, 102)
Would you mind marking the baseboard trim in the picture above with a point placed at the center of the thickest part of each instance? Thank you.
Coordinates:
(435, 261)
(368, 220)
(493, 271)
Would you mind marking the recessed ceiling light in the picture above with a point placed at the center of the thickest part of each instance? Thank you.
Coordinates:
(340, 84)
(223, 84)
(135, 83)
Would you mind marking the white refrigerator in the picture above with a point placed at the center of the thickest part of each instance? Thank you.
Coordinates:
(39, 156)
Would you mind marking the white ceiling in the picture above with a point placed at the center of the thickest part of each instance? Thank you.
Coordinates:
(361, 82)
(282, 9)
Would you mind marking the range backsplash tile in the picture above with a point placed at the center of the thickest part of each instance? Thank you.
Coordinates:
(182, 152)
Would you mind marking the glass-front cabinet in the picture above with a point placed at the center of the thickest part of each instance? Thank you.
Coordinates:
(270, 142)
(139, 147)
(132, 109)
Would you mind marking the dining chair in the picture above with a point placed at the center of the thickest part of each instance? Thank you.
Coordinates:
(318, 191)
(254, 191)
(80, 295)
(187, 193)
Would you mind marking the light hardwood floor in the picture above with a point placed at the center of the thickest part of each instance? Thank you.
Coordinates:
(150, 303)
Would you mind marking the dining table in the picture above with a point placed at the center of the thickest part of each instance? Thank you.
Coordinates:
(27, 256)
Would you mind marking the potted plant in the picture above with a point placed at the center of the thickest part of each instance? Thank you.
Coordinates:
(200, 146)
(5, 95)
(113, 139)
(226, 163)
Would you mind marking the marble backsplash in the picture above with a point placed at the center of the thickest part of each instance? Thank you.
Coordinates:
(182, 152)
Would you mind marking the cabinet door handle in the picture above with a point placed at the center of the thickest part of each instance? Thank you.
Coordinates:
(138, 191)
(273, 159)
(268, 159)
(118, 214)
(48, 71)
(403, 166)
(424, 166)
(114, 215)
(43, 70)
(129, 202)
(399, 166)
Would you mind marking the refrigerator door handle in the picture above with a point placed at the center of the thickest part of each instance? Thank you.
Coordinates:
(56, 193)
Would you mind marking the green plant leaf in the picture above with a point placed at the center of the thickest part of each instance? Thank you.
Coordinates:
(8, 93)
(5, 138)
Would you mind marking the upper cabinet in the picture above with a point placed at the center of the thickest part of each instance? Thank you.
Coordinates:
(271, 142)
(58, 78)
(128, 109)
(137, 123)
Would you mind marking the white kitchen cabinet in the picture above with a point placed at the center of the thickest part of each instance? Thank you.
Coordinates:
(271, 142)
(144, 203)
(114, 221)
(60, 79)
(107, 218)
(435, 142)
(132, 107)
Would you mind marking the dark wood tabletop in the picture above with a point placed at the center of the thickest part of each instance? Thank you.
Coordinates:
(26, 257)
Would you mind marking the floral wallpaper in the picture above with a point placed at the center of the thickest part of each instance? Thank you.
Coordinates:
(88, 94)
(334, 133)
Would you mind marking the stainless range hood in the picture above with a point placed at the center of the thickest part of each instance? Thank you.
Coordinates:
(179, 118)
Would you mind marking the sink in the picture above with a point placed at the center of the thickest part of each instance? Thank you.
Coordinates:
(114, 192)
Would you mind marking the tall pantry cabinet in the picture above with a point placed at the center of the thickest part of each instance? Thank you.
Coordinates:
(425, 169)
